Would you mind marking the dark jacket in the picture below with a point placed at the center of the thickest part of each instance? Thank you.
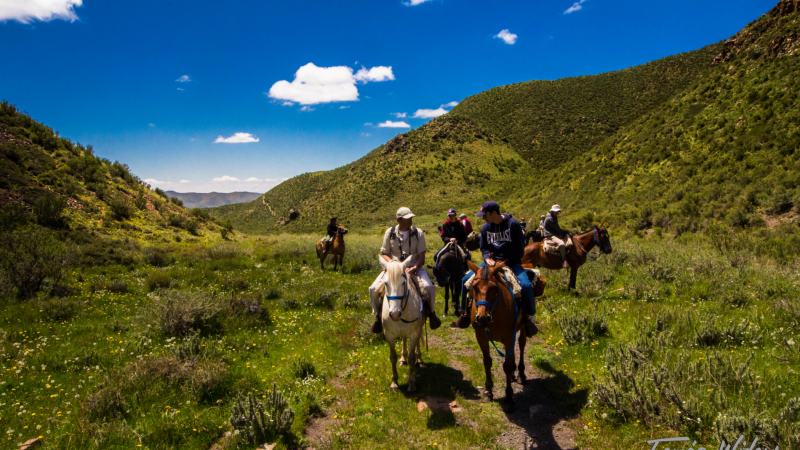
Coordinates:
(454, 230)
(551, 227)
(332, 229)
(505, 240)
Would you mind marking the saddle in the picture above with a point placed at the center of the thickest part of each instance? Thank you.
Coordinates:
(463, 253)
(533, 275)
(551, 247)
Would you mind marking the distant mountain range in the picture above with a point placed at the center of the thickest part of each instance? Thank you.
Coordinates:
(213, 199)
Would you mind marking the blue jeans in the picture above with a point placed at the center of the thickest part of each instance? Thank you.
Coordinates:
(528, 297)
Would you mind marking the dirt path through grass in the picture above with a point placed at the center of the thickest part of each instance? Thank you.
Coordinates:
(538, 421)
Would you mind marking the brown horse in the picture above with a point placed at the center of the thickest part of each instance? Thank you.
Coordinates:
(493, 320)
(473, 242)
(583, 243)
(337, 250)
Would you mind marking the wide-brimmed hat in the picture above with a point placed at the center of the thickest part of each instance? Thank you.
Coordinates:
(555, 208)
(404, 213)
(451, 212)
(487, 208)
(333, 218)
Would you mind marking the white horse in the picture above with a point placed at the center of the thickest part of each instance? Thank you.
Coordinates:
(402, 317)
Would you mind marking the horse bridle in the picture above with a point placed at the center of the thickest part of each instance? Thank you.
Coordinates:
(597, 241)
(404, 299)
(491, 309)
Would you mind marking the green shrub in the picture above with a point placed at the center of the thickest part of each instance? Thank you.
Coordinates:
(289, 303)
(176, 201)
(157, 257)
(29, 256)
(260, 422)
(121, 207)
(118, 287)
(580, 326)
(105, 404)
(192, 226)
(303, 368)
(158, 280)
(272, 293)
(59, 309)
(324, 299)
(176, 220)
(250, 307)
(201, 213)
(223, 232)
(49, 210)
(140, 202)
(353, 301)
(179, 314)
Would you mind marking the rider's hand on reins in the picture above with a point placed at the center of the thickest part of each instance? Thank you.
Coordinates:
(411, 270)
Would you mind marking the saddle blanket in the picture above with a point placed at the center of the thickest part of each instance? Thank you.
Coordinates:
(552, 247)
(533, 276)
(461, 251)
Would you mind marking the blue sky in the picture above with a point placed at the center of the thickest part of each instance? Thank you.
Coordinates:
(201, 96)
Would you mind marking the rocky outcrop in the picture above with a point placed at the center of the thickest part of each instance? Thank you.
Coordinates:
(293, 214)
(398, 143)
(749, 40)
(784, 8)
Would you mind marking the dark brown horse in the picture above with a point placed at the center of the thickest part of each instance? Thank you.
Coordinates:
(473, 242)
(448, 271)
(493, 318)
(576, 256)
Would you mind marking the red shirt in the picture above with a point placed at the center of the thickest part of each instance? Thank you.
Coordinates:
(467, 225)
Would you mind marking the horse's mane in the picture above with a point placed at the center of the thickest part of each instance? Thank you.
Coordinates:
(394, 273)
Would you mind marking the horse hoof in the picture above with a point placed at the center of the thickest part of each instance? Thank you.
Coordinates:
(486, 398)
(420, 364)
(508, 407)
(393, 386)
(412, 389)
(403, 363)
(522, 379)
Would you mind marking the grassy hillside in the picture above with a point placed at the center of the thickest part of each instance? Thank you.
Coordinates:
(65, 187)
(549, 122)
(725, 152)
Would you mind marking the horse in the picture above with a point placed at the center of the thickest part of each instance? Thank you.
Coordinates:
(337, 249)
(402, 317)
(583, 243)
(534, 235)
(473, 241)
(448, 271)
(497, 317)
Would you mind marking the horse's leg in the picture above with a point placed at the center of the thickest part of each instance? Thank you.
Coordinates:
(573, 276)
(393, 358)
(412, 364)
(322, 260)
(457, 296)
(487, 367)
(508, 368)
(404, 355)
(420, 363)
(446, 298)
(521, 367)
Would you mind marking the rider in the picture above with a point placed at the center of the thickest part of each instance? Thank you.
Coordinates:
(502, 240)
(451, 231)
(541, 224)
(400, 242)
(523, 225)
(554, 232)
(332, 229)
(467, 224)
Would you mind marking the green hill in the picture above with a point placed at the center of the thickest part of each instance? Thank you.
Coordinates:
(676, 144)
(64, 186)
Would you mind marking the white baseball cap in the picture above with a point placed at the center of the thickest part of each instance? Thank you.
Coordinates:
(556, 208)
(404, 213)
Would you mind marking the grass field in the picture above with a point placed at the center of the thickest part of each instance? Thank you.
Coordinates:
(665, 337)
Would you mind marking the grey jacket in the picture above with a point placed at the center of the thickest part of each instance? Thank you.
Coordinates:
(551, 227)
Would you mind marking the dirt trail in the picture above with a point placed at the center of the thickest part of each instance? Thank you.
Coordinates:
(269, 207)
(538, 421)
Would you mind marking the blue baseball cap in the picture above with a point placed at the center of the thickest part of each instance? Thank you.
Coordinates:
(488, 207)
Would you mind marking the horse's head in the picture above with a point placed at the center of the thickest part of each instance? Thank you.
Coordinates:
(341, 230)
(440, 274)
(602, 239)
(397, 289)
(485, 291)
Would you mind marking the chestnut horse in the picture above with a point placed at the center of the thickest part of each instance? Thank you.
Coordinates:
(337, 250)
(496, 318)
(583, 243)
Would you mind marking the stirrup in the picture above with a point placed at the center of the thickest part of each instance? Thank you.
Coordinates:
(464, 320)
(377, 326)
(530, 328)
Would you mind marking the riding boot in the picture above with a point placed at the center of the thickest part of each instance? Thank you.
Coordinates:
(377, 326)
(465, 319)
(435, 322)
(530, 327)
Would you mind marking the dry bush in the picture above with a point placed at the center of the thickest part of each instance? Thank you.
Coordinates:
(178, 313)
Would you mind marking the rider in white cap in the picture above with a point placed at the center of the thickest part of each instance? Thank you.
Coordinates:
(400, 242)
(555, 234)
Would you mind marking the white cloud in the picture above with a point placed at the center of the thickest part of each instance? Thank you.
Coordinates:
(225, 179)
(429, 113)
(449, 105)
(508, 38)
(237, 138)
(180, 89)
(251, 179)
(416, 2)
(400, 115)
(153, 181)
(375, 74)
(313, 85)
(27, 11)
(366, 134)
(575, 7)
(151, 125)
(390, 124)
(368, 124)
(287, 104)
(343, 107)
(306, 108)
(184, 79)
(184, 182)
